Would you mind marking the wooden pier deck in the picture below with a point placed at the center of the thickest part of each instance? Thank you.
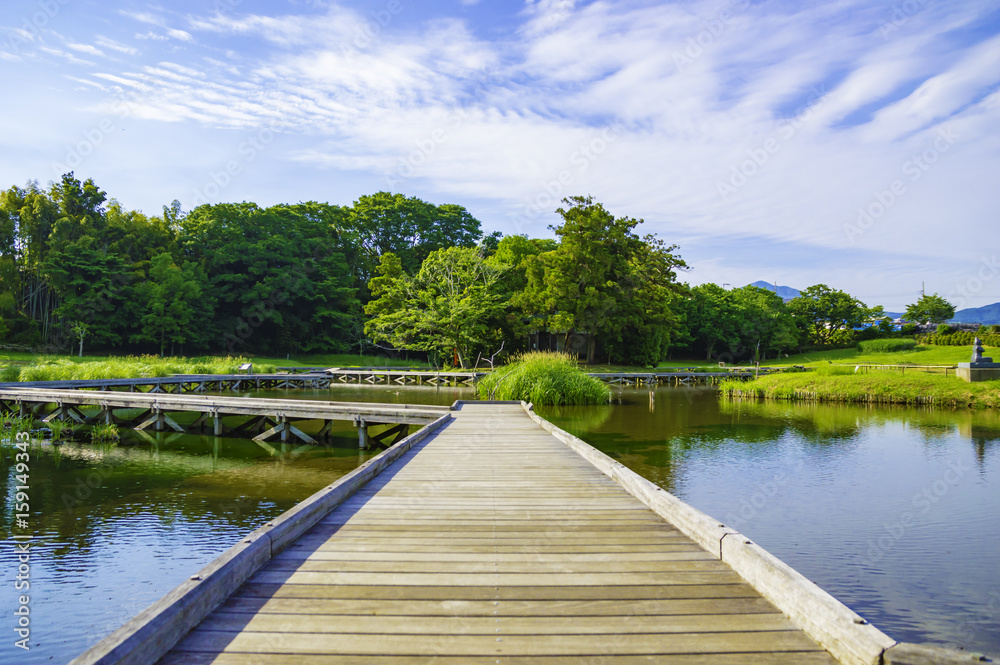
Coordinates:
(259, 418)
(494, 544)
(493, 537)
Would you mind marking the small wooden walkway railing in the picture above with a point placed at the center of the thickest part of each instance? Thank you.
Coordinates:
(491, 536)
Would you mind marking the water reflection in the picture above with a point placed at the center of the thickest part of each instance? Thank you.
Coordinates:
(892, 510)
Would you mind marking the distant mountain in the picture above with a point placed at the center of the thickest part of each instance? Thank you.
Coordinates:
(989, 314)
(786, 292)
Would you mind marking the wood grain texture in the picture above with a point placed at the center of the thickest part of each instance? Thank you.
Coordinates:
(492, 540)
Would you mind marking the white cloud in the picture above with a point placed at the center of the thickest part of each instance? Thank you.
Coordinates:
(153, 36)
(180, 35)
(695, 91)
(85, 48)
(116, 46)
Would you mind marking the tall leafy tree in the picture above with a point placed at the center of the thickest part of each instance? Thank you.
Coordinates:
(823, 313)
(604, 281)
(446, 308)
(281, 283)
(712, 320)
(930, 309)
(93, 287)
(408, 227)
(763, 322)
(169, 301)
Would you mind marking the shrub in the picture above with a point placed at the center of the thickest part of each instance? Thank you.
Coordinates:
(908, 329)
(887, 345)
(10, 374)
(944, 329)
(543, 378)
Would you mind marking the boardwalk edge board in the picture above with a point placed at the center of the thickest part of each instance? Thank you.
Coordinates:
(844, 633)
(148, 636)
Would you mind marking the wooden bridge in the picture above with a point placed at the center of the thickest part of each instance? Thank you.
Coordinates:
(261, 419)
(490, 536)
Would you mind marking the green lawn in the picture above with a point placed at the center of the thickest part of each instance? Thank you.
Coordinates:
(922, 355)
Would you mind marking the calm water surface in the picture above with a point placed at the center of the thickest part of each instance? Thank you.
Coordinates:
(894, 511)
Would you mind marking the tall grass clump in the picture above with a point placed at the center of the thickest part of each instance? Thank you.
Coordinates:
(10, 374)
(105, 433)
(543, 378)
(889, 345)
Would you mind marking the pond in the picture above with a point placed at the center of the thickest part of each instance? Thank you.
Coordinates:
(893, 511)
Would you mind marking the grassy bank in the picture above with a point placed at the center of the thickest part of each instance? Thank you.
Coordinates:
(872, 388)
(126, 367)
(15, 366)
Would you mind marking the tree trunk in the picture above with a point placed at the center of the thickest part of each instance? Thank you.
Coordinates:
(591, 348)
(80, 355)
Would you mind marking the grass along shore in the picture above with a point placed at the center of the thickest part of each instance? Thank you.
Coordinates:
(914, 388)
(834, 379)
(37, 367)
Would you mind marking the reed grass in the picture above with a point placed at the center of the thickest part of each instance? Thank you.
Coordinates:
(543, 377)
(131, 367)
(105, 433)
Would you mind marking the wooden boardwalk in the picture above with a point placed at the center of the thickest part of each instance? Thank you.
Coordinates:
(260, 418)
(491, 541)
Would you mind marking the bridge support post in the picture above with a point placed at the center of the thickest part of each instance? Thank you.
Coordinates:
(362, 432)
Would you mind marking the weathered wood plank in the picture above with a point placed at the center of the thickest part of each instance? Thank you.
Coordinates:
(502, 645)
(487, 625)
(490, 608)
(783, 658)
(493, 593)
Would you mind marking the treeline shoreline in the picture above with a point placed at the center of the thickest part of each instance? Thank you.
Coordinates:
(387, 274)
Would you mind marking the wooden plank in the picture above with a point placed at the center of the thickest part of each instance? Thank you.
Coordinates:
(504, 645)
(490, 608)
(279, 589)
(486, 625)
(737, 658)
(504, 579)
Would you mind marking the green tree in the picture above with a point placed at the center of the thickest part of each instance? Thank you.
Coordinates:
(169, 300)
(605, 282)
(712, 320)
(763, 322)
(92, 286)
(445, 308)
(408, 227)
(281, 281)
(825, 314)
(930, 309)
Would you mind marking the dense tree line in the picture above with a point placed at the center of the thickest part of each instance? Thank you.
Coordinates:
(231, 277)
(389, 272)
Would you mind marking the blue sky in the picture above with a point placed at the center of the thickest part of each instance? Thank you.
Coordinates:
(853, 143)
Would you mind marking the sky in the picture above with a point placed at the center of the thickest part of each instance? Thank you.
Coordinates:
(848, 142)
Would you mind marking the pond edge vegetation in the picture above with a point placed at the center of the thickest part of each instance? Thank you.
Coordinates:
(918, 389)
(543, 378)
